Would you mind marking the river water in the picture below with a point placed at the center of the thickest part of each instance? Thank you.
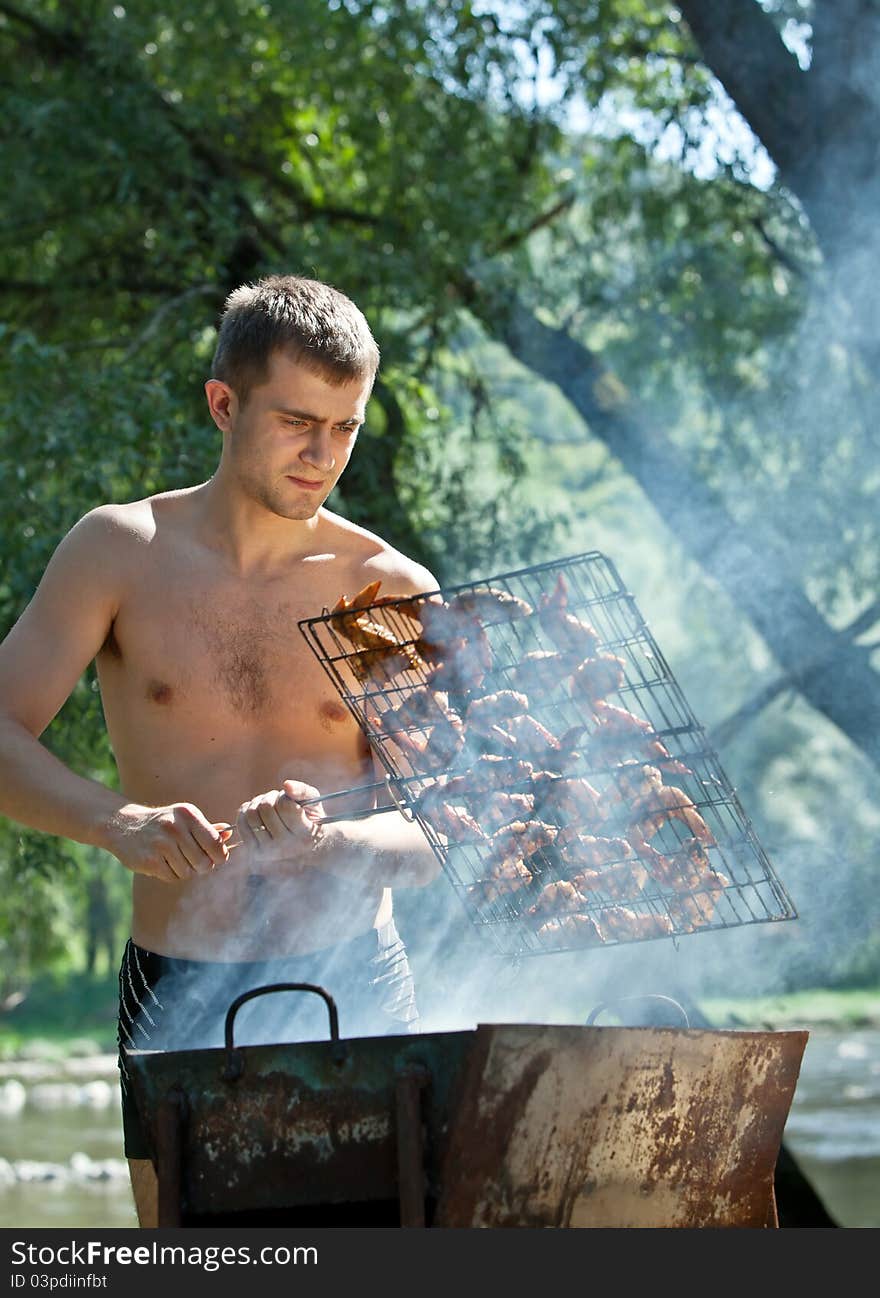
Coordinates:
(61, 1159)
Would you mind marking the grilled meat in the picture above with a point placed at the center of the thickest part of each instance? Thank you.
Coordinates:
(491, 604)
(521, 838)
(536, 743)
(496, 809)
(456, 824)
(580, 930)
(621, 882)
(696, 910)
(492, 709)
(595, 677)
(419, 708)
(459, 665)
(683, 870)
(621, 734)
(567, 799)
(434, 753)
(540, 670)
(653, 803)
(560, 898)
(584, 851)
(506, 876)
(442, 623)
(490, 773)
(622, 923)
(564, 629)
(383, 666)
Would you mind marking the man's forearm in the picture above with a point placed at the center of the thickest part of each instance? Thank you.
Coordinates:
(38, 790)
(386, 847)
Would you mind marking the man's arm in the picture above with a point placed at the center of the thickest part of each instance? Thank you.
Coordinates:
(41, 659)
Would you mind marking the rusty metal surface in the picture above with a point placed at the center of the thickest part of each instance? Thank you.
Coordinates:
(297, 1127)
(618, 1127)
(522, 1125)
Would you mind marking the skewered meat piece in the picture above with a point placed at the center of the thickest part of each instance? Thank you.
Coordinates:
(622, 882)
(383, 666)
(696, 910)
(488, 711)
(506, 876)
(586, 851)
(568, 799)
(456, 824)
(560, 898)
(655, 802)
(521, 838)
(622, 923)
(442, 623)
(540, 670)
(490, 773)
(578, 929)
(432, 754)
(598, 676)
(685, 869)
(621, 733)
(460, 665)
(491, 604)
(419, 708)
(362, 599)
(537, 743)
(564, 629)
(496, 809)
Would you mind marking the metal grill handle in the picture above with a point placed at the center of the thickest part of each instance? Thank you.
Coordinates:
(234, 1060)
(622, 1000)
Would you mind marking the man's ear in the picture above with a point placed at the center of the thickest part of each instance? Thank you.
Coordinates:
(222, 403)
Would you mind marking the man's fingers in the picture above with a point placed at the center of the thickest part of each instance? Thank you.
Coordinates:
(211, 841)
(272, 822)
(300, 792)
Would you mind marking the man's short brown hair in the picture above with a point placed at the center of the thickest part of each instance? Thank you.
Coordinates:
(313, 323)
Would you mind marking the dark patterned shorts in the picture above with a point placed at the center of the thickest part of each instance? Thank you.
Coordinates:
(171, 1004)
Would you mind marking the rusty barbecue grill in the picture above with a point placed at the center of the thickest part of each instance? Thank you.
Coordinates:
(532, 727)
(505, 1125)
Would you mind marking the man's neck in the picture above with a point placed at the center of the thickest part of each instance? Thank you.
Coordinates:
(250, 538)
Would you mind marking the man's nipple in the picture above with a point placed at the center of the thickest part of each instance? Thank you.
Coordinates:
(159, 692)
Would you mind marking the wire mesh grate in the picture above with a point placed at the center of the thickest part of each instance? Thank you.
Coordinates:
(591, 810)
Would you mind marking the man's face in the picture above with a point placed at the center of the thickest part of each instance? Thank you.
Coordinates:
(291, 441)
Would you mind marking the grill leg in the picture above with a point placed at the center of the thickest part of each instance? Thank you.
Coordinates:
(411, 1145)
(170, 1118)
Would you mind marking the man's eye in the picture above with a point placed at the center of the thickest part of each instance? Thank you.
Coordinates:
(295, 423)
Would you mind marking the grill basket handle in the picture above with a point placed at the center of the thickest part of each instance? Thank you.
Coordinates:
(234, 1060)
(623, 1000)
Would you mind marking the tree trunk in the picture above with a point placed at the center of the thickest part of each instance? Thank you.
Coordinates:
(834, 675)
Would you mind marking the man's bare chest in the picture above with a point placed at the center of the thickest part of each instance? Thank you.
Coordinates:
(231, 649)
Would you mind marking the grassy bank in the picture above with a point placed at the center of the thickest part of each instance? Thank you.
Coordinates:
(62, 1014)
(817, 1008)
(76, 1013)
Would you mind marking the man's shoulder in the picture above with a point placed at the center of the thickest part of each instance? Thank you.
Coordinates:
(374, 559)
(132, 520)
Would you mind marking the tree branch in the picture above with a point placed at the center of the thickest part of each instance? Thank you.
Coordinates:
(838, 680)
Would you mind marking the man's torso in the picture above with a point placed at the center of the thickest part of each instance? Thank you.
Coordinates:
(212, 696)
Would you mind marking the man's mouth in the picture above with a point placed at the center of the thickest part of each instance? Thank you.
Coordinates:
(305, 482)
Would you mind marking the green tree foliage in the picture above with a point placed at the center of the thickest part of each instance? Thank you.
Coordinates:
(474, 175)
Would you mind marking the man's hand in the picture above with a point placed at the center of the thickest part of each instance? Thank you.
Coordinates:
(173, 843)
(276, 827)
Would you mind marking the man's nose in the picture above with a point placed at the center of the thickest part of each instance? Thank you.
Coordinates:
(318, 450)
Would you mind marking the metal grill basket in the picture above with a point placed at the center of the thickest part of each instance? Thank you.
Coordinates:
(667, 849)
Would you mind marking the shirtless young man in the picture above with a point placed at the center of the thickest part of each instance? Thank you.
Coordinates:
(218, 712)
